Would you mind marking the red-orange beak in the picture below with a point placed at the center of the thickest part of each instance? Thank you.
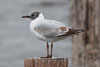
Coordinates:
(26, 16)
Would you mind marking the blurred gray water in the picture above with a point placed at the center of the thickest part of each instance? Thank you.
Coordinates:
(16, 40)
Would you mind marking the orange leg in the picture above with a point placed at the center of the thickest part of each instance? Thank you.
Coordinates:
(47, 52)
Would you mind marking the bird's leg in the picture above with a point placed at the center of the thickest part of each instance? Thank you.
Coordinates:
(47, 50)
(51, 49)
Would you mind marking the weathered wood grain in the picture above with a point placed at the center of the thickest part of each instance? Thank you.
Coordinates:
(86, 48)
(46, 62)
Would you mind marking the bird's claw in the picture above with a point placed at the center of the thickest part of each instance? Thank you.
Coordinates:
(46, 57)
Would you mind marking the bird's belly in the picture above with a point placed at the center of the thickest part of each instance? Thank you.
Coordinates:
(53, 39)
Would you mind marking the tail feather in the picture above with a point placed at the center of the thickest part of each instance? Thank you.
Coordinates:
(77, 31)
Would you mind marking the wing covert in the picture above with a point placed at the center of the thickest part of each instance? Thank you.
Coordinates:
(50, 29)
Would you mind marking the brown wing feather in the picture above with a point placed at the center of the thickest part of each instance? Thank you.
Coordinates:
(73, 31)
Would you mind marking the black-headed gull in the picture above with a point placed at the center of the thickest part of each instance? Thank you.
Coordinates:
(49, 30)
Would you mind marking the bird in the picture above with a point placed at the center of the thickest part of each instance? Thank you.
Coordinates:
(49, 30)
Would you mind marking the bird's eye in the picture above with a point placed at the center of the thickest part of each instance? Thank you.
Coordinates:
(32, 15)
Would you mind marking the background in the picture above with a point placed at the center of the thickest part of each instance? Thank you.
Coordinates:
(16, 40)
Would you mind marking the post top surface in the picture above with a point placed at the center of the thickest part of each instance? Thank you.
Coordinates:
(49, 58)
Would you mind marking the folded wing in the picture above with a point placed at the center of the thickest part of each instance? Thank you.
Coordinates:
(51, 29)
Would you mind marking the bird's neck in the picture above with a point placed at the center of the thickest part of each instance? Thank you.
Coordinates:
(39, 18)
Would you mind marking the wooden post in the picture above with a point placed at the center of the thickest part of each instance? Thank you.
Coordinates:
(86, 48)
(46, 62)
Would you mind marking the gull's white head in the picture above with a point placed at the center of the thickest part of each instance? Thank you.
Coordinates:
(33, 15)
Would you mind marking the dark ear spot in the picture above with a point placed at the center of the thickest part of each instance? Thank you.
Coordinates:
(37, 13)
(34, 15)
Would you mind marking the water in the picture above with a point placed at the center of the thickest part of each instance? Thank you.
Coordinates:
(16, 40)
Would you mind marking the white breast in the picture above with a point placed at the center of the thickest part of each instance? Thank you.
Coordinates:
(33, 24)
